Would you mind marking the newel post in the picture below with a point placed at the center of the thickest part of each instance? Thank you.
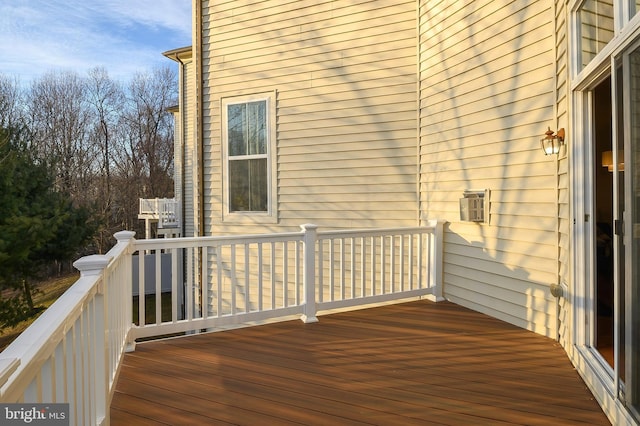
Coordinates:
(310, 241)
(92, 265)
(124, 236)
(127, 238)
(436, 249)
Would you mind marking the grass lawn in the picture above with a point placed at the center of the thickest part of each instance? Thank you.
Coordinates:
(51, 289)
(150, 308)
(48, 292)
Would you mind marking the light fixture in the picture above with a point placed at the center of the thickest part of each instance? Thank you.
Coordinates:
(551, 143)
(607, 160)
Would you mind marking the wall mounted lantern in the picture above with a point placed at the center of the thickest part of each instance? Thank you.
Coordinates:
(551, 143)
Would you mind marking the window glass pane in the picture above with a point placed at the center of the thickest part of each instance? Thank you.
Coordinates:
(248, 185)
(247, 128)
(596, 28)
(634, 7)
(632, 103)
(257, 127)
(236, 124)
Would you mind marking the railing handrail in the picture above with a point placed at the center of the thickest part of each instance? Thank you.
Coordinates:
(298, 281)
(155, 202)
(46, 346)
(165, 210)
(375, 232)
(179, 242)
(431, 280)
(39, 340)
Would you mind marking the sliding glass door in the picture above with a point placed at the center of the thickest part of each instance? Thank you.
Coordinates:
(629, 63)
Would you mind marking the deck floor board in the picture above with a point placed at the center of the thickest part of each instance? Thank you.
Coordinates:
(412, 363)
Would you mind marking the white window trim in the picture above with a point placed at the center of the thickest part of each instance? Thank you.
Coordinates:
(270, 216)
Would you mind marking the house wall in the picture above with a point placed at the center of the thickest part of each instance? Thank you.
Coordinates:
(178, 161)
(344, 74)
(486, 97)
(564, 196)
(190, 173)
(185, 160)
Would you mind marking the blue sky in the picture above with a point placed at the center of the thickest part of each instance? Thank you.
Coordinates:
(124, 36)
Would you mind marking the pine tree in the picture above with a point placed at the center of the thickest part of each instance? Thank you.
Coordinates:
(38, 225)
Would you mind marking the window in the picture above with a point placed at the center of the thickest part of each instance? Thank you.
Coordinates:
(596, 28)
(247, 143)
(598, 23)
(247, 138)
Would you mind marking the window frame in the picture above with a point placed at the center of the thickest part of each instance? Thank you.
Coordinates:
(248, 217)
(623, 26)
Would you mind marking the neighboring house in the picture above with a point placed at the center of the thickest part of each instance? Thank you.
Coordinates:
(366, 114)
(186, 181)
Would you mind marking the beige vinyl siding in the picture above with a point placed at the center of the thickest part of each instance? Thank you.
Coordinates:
(178, 160)
(564, 196)
(344, 74)
(190, 173)
(486, 98)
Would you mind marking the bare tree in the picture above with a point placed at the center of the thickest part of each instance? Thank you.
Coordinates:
(106, 98)
(108, 144)
(59, 119)
(146, 166)
(10, 102)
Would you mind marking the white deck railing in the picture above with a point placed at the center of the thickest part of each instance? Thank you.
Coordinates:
(73, 351)
(164, 210)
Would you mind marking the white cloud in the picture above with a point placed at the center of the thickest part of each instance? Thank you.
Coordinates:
(172, 14)
(125, 36)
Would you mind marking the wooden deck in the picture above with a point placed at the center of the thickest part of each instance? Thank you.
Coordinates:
(414, 363)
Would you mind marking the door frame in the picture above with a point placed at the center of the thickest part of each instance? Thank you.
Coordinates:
(583, 184)
(602, 380)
